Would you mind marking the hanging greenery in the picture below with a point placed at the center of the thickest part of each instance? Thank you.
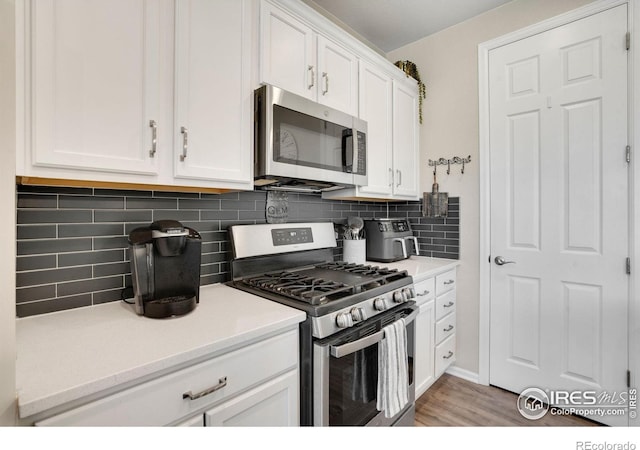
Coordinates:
(411, 70)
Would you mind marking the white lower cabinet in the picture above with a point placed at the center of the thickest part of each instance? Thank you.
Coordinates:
(445, 352)
(253, 385)
(424, 348)
(273, 404)
(435, 328)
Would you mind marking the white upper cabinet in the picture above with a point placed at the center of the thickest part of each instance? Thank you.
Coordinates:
(287, 53)
(405, 141)
(337, 77)
(297, 59)
(213, 121)
(95, 84)
(154, 92)
(376, 108)
(389, 105)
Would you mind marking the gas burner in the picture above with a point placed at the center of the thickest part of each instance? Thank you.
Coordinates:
(380, 275)
(312, 290)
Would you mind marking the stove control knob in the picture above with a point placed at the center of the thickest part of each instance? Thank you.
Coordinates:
(344, 320)
(380, 304)
(409, 293)
(399, 296)
(358, 314)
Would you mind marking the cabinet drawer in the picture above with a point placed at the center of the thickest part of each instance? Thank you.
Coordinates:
(445, 327)
(445, 304)
(445, 282)
(160, 401)
(425, 290)
(445, 354)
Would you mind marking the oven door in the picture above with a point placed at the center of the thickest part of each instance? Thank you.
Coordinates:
(345, 373)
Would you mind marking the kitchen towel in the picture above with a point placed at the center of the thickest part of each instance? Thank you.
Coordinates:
(393, 373)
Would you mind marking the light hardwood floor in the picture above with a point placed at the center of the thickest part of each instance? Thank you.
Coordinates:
(452, 401)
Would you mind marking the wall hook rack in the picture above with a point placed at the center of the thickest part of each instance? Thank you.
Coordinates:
(448, 162)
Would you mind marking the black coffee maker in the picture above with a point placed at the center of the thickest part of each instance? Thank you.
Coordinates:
(165, 268)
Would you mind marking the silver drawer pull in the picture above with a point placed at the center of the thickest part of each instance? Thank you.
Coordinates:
(448, 305)
(326, 83)
(222, 383)
(185, 142)
(449, 328)
(449, 281)
(313, 77)
(425, 292)
(154, 137)
(449, 355)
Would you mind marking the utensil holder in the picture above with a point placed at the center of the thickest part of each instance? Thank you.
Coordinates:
(354, 251)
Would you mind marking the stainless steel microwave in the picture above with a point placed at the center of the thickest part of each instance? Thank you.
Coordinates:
(301, 145)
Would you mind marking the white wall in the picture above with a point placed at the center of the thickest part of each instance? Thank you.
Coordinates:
(7, 205)
(448, 65)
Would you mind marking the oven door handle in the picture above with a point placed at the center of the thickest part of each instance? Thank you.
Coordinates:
(339, 351)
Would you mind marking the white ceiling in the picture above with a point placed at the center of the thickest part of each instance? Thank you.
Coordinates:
(390, 24)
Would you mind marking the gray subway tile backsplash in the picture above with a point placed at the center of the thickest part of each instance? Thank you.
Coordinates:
(73, 248)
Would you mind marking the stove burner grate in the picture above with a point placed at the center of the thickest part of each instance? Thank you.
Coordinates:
(316, 290)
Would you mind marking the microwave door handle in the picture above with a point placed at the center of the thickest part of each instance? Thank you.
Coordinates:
(415, 244)
(346, 134)
(404, 246)
(338, 351)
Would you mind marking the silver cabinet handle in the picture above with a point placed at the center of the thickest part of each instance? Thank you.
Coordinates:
(501, 261)
(154, 137)
(448, 305)
(449, 328)
(390, 177)
(221, 383)
(399, 173)
(449, 355)
(313, 77)
(449, 282)
(185, 142)
(326, 83)
(425, 292)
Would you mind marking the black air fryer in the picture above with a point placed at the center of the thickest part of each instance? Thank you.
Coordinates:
(165, 268)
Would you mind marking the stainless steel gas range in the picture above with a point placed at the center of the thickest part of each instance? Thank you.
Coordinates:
(348, 307)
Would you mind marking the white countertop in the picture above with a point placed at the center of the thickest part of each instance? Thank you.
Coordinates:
(420, 267)
(68, 355)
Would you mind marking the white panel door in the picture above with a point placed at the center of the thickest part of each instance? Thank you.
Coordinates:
(338, 77)
(424, 360)
(212, 129)
(405, 141)
(376, 108)
(559, 209)
(287, 56)
(95, 84)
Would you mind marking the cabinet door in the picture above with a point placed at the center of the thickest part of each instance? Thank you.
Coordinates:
(274, 403)
(95, 84)
(376, 108)
(405, 141)
(337, 77)
(213, 95)
(424, 364)
(287, 53)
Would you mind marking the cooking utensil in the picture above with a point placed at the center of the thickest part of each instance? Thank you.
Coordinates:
(356, 224)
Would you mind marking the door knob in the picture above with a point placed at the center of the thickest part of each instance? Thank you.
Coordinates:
(501, 261)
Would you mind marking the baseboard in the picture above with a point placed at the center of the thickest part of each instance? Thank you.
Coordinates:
(464, 374)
